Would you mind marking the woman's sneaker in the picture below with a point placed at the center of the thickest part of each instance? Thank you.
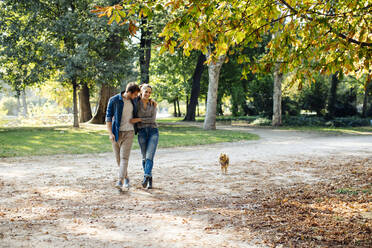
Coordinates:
(145, 181)
(126, 183)
(119, 184)
(149, 186)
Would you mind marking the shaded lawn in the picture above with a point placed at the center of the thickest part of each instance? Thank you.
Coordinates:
(28, 141)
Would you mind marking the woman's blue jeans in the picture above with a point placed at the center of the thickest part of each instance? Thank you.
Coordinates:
(148, 138)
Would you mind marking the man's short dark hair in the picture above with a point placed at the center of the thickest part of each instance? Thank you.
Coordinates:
(132, 87)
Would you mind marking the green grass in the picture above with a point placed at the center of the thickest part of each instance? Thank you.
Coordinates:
(367, 130)
(179, 135)
(169, 120)
(28, 141)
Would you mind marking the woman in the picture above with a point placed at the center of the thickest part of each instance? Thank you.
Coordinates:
(148, 134)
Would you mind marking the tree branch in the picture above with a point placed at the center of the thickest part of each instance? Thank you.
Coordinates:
(332, 30)
(339, 14)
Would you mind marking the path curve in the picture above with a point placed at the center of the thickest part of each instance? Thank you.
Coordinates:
(69, 200)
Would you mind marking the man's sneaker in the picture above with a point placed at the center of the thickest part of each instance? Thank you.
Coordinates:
(119, 185)
(126, 183)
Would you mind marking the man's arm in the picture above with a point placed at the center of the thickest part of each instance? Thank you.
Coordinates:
(152, 102)
(152, 119)
(109, 129)
(135, 120)
(109, 115)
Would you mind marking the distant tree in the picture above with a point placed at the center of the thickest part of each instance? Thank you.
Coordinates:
(195, 88)
(171, 76)
(367, 94)
(21, 51)
(313, 97)
(332, 96)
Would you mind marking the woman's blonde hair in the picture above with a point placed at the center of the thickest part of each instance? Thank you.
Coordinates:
(144, 87)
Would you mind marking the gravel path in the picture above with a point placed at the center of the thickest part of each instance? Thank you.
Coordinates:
(70, 201)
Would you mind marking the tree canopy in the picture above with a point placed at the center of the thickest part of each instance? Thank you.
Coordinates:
(325, 36)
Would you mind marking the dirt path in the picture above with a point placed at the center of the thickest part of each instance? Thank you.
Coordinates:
(69, 200)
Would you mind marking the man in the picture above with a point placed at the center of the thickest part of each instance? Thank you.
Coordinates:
(120, 111)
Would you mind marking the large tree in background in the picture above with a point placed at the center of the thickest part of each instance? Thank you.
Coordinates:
(115, 59)
(143, 23)
(73, 46)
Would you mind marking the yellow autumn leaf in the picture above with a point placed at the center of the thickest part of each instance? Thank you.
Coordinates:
(240, 36)
(111, 19)
(117, 17)
(109, 11)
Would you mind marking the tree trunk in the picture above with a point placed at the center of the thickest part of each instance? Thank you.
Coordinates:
(106, 92)
(111, 52)
(74, 98)
(333, 95)
(175, 108)
(234, 107)
(145, 51)
(214, 73)
(365, 99)
(195, 90)
(84, 104)
(277, 97)
(178, 107)
(245, 108)
(24, 103)
(18, 96)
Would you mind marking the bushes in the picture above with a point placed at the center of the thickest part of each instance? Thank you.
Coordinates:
(303, 120)
(348, 122)
(260, 94)
(295, 121)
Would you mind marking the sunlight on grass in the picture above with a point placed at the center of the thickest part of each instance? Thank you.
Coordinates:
(29, 141)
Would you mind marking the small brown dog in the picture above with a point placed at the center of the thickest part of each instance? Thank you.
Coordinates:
(224, 162)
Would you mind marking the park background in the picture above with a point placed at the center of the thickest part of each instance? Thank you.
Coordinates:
(282, 87)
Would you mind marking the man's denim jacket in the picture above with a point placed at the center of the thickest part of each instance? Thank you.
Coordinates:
(115, 110)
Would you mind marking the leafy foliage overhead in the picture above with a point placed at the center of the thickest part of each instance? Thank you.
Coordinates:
(325, 36)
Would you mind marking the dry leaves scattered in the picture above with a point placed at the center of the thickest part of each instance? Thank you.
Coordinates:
(335, 213)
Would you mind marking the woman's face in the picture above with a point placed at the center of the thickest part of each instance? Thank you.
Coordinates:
(146, 93)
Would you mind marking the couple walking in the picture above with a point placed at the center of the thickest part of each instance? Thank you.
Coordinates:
(128, 113)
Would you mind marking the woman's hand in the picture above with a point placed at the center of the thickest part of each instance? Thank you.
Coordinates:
(135, 120)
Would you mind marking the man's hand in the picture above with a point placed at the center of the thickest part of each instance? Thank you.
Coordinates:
(152, 102)
(135, 120)
(112, 137)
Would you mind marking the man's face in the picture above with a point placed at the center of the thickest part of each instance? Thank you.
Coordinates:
(133, 95)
